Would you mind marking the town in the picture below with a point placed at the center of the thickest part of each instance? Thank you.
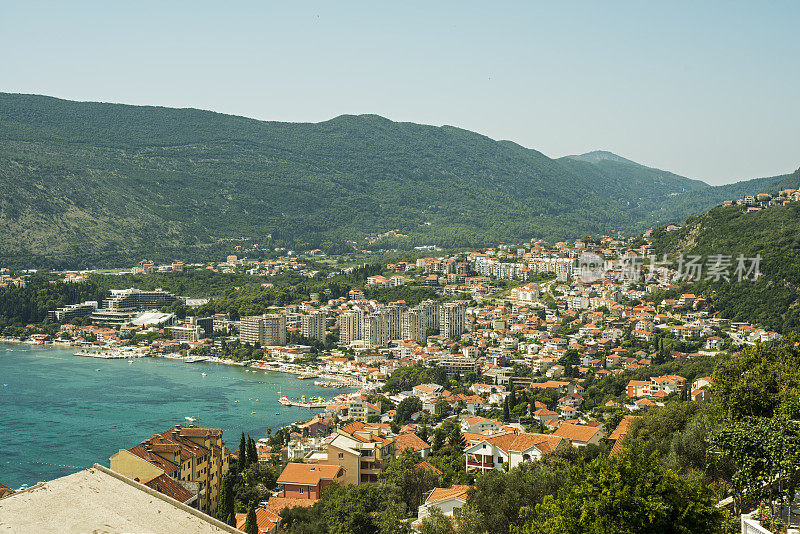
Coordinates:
(513, 356)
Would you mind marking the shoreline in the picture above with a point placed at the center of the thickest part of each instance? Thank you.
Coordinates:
(232, 418)
(252, 365)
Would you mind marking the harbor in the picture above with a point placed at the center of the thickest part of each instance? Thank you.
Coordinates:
(86, 418)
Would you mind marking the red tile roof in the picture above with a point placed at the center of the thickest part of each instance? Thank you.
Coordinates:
(266, 520)
(168, 486)
(440, 494)
(308, 474)
(410, 441)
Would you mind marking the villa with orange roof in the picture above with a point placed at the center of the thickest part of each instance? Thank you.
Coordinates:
(306, 481)
(579, 435)
(495, 451)
(447, 500)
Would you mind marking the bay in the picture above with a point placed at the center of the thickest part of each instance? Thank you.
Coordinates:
(60, 414)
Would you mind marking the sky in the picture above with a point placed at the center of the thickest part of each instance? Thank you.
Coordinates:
(706, 89)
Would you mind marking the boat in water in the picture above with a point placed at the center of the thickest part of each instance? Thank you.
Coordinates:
(313, 402)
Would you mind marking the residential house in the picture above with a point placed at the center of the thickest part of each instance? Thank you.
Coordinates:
(306, 481)
(487, 453)
(579, 435)
(360, 455)
(447, 500)
(266, 520)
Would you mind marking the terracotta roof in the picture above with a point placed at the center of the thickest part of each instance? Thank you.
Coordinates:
(308, 474)
(576, 432)
(277, 504)
(543, 442)
(355, 426)
(265, 519)
(622, 428)
(5, 491)
(410, 441)
(524, 441)
(169, 487)
(428, 467)
(440, 494)
(162, 463)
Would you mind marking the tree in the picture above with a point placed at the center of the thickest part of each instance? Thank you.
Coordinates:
(250, 522)
(252, 452)
(506, 411)
(759, 379)
(498, 497)
(226, 497)
(456, 438)
(242, 453)
(436, 523)
(626, 494)
(438, 439)
(422, 433)
(407, 407)
(442, 407)
(414, 482)
(765, 453)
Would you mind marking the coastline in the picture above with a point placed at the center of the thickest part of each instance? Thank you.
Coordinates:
(94, 415)
(138, 352)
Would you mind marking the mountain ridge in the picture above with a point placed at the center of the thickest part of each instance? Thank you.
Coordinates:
(90, 184)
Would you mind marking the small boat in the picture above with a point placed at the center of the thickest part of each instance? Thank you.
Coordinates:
(130, 361)
(277, 413)
(203, 374)
(251, 413)
(5, 385)
(236, 401)
(97, 369)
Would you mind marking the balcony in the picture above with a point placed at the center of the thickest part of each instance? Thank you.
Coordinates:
(480, 464)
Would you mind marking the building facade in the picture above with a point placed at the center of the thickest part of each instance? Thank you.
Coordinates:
(269, 330)
(313, 325)
(186, 454)
(452, 319)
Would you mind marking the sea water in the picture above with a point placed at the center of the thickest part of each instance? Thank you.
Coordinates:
(60, 413)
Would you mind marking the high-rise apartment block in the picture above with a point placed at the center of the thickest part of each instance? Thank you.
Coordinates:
(267, 330)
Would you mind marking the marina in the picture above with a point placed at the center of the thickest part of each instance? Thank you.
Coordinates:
(97, 412)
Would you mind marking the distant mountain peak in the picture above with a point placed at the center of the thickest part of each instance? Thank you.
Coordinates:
(596, 156)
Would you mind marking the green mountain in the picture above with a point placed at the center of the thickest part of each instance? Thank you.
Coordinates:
(88, 184)
(773, 233)
(627, 181)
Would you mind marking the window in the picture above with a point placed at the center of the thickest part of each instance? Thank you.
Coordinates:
(499, 460)
(341, 455)
(301, 491)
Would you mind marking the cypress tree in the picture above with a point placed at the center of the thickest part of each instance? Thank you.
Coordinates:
(250, 522)
(252, 452)
(506, 411)
(242, 453)
(226, 498)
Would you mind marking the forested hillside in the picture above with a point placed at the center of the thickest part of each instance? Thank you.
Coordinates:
(773, 233)
(89, 184)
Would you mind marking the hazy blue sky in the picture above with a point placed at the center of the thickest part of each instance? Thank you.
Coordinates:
(710, 90)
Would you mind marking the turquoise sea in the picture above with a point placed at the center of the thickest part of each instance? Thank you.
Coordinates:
(60, 413)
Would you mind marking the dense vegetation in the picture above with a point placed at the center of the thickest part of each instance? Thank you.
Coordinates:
(236, 294)
(774, 234)
(99, 184)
